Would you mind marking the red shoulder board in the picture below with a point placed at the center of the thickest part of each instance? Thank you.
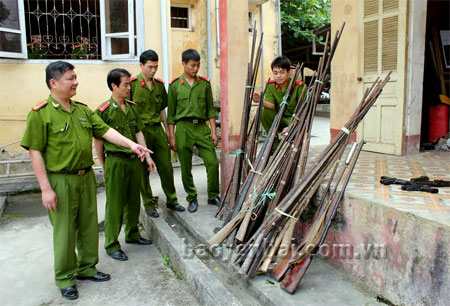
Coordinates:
(129, 101)
(271, 81)
(159, 80)
(39, 106)
(79, 103)
(104, 106)
(133, 79)
(299, 83)
(205, 78)
(174, 80)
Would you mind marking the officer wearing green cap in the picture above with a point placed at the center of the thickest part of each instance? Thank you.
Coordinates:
(122, 169)
(150, 97)
(59, 136)
(275, 91)
(190, 107)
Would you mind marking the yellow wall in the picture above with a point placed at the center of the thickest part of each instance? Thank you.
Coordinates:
(23, 86)
(22, 82)
(152, 30)
(270, 41)
(345, 65)
(196, 38)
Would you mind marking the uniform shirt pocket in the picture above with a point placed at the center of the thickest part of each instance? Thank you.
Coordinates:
(201, 100)
(59, 134)
(182, 101)
(87, 128)
(158, 103)
(133, 125)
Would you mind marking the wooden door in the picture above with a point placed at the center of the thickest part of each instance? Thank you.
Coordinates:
(383, 25)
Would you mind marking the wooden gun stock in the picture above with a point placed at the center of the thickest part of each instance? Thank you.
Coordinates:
(295, 276)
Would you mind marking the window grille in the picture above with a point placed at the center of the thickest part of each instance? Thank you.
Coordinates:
(64, 29)
(179, 17)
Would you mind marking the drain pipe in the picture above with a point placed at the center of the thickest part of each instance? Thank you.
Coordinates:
(262, 46)
(208, 25)
(279, 28)
(165, 52)
(217, 32)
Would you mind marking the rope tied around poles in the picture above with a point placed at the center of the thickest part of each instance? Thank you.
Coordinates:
(252, 169)
(236, 153)
(263, 197)
(345, 130)
(284, 213)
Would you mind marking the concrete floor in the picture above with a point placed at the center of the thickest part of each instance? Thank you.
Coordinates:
(26, 257)
(26, 265)
(320, 131)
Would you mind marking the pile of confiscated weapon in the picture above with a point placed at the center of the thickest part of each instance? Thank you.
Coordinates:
(421, 183)
(263, 205)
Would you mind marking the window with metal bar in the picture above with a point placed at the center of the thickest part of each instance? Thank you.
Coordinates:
(179, 17)
(67, 29)
(71, 29)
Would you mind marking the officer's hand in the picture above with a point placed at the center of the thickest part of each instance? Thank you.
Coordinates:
(151, 164)
(172, 144)
(49, 199)
(256, 97)
(284, 131)
(140, 150)
(214, 138)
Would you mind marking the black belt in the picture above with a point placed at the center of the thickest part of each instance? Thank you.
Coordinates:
(76, 172)
(120, 154)
(194, 120)
(153, 123)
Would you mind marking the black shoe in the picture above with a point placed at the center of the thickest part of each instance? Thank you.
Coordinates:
(176, 207)
(193, 206)
(152, 213)
(140, 241)
(215, 201)
(118, 255)
(97, 277)
(70, 293)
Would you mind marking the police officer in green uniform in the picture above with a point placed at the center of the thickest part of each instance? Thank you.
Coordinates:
(59, 139)
(122, 169)
(275, 91)
(190, 107)
(36, 49)
(150, 97)
(84, 50)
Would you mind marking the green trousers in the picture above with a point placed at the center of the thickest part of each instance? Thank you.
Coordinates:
(156, 140)
(267, 117)
(122, 200)
(188, 135)
(75, 224)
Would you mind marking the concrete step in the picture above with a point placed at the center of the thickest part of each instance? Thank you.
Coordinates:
(401, 256)
(2, 204)
(323, 284)
(205, 286)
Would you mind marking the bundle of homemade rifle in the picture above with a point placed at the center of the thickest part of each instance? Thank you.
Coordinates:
(269, 192)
